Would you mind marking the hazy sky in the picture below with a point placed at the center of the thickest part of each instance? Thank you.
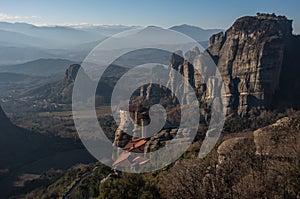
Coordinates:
(206, 14)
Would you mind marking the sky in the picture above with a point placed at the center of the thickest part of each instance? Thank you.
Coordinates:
(205, 14)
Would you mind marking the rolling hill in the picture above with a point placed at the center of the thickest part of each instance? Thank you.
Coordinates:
(40, 67)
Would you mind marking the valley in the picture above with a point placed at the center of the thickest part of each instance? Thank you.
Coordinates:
(256, 155)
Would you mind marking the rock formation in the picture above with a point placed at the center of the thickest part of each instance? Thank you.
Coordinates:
(256, 57)
(250, 58)
(61, 91)
(71, 73)
(258, 161)
(68, 82)
(279, 140)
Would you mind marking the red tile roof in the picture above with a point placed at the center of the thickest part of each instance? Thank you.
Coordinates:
(136, 145)
(121, 158)
(140, 159)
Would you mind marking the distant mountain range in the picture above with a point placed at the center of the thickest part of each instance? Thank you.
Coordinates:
(45, 37)
(17, 39)
(22, 42)
(197, 33)
(106, 30)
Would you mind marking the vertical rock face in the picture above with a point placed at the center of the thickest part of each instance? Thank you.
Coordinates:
(288, 95)
(121, 138)
(183, 64)
(71, 73)
(256, 57)
(68, 82)
(215, 43)
(249, 57)
(198, 69)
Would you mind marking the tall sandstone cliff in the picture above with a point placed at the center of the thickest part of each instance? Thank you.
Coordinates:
(251, 57)
(257, 59)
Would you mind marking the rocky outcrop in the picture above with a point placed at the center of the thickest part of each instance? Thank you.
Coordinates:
(260, 161)
(257, 59)
(122, 138)
(60, 92)
(71, 73)
(279, 140)
(233, 148)
(216, 42)
(250, 59)
(250, 56)
(68, 83)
